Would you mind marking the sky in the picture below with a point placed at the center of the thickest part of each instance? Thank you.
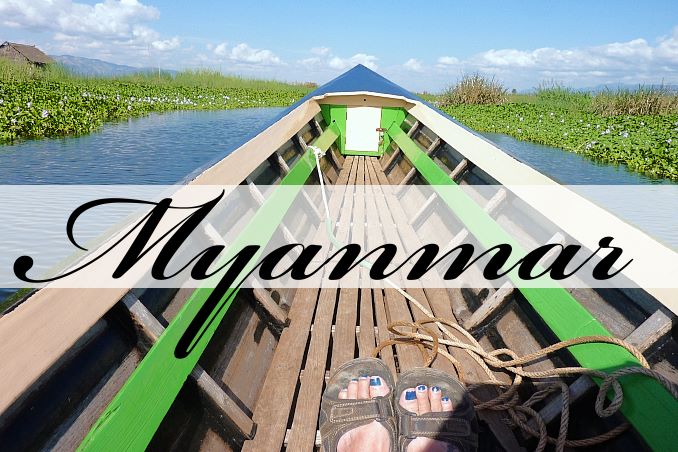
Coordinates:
(424, 46)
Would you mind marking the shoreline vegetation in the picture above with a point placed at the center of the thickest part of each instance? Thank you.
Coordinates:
(637, 128)
(52, 102)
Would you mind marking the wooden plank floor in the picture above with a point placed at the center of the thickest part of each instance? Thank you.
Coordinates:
(329, 327)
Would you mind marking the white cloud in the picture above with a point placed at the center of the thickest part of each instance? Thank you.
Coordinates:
(509, 57)
(167, 44)
(322, 51)
(636, 60)
(245, 54)
(413, 65)
(667, 49)
(109, 18)
(117, 30)
(143, 34)
(369, 61)
(637, 48)
(447, 61)
(220, 49)
(616, 56)
(324, 59)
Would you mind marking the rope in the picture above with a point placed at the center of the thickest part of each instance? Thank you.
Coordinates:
(319, 153)
(508, 401)
(429, 344)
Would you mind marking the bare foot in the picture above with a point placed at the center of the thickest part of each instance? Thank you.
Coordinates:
(421, 400)
(372, 436)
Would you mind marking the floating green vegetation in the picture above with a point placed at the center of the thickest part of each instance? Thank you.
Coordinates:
(38, 103)
(10, 300)
(638, 128)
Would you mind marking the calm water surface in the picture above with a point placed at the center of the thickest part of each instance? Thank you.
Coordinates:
(569, 168)
(652, 209)
(167, 148)
(156, 149)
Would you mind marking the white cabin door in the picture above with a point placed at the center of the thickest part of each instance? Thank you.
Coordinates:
(361, 129)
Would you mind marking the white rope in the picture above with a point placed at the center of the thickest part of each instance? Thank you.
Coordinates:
(319, 153)
(328, 220)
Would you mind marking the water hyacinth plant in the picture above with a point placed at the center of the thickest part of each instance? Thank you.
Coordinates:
(638, 129)
(38, 103)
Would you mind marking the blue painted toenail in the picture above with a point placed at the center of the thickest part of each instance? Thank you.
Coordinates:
(354, 379)
(435, 389)
(421, 388)
(376, 381)
(410, 395)
(364, 377)
(445, 399)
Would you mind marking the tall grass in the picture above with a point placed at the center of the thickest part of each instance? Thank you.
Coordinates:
(643, 101)
(555, 95)
(206, 78)
(475, 89)
(14, 71)
(11, 71)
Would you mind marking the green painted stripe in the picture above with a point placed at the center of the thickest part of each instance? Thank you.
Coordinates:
(389, 116)
(647, 405)
(132, 418)
(336, 114)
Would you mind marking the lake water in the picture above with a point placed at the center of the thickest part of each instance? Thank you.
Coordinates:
(656, 217)
(156, 149)
(569, 168)
(166, 148)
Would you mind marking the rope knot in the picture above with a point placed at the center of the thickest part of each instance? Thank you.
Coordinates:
(317, 151)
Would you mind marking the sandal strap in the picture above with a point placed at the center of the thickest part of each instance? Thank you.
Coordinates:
(341, 416)
(343, 411)
(433, 425)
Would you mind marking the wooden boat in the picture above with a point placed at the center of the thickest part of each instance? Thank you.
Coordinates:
(66, 354)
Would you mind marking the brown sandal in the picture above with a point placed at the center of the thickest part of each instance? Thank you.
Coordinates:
(458, 427)
(338, 416)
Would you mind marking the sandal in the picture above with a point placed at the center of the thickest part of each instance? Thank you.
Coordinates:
(458, 427)
(338, 416)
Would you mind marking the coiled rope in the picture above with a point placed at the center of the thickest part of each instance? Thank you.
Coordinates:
(424, 338)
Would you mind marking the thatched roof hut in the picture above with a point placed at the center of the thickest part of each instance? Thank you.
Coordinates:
(24, 53)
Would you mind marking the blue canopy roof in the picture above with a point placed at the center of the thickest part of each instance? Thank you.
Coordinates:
(360, 78)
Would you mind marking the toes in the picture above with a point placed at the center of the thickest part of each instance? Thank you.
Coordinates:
(378, 387)
(352, 390)
(435, 395)
(423, 403)
(364, 387)
(408, 400)
(446, 403)
(343, 394)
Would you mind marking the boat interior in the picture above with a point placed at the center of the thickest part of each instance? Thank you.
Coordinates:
(258, 385)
